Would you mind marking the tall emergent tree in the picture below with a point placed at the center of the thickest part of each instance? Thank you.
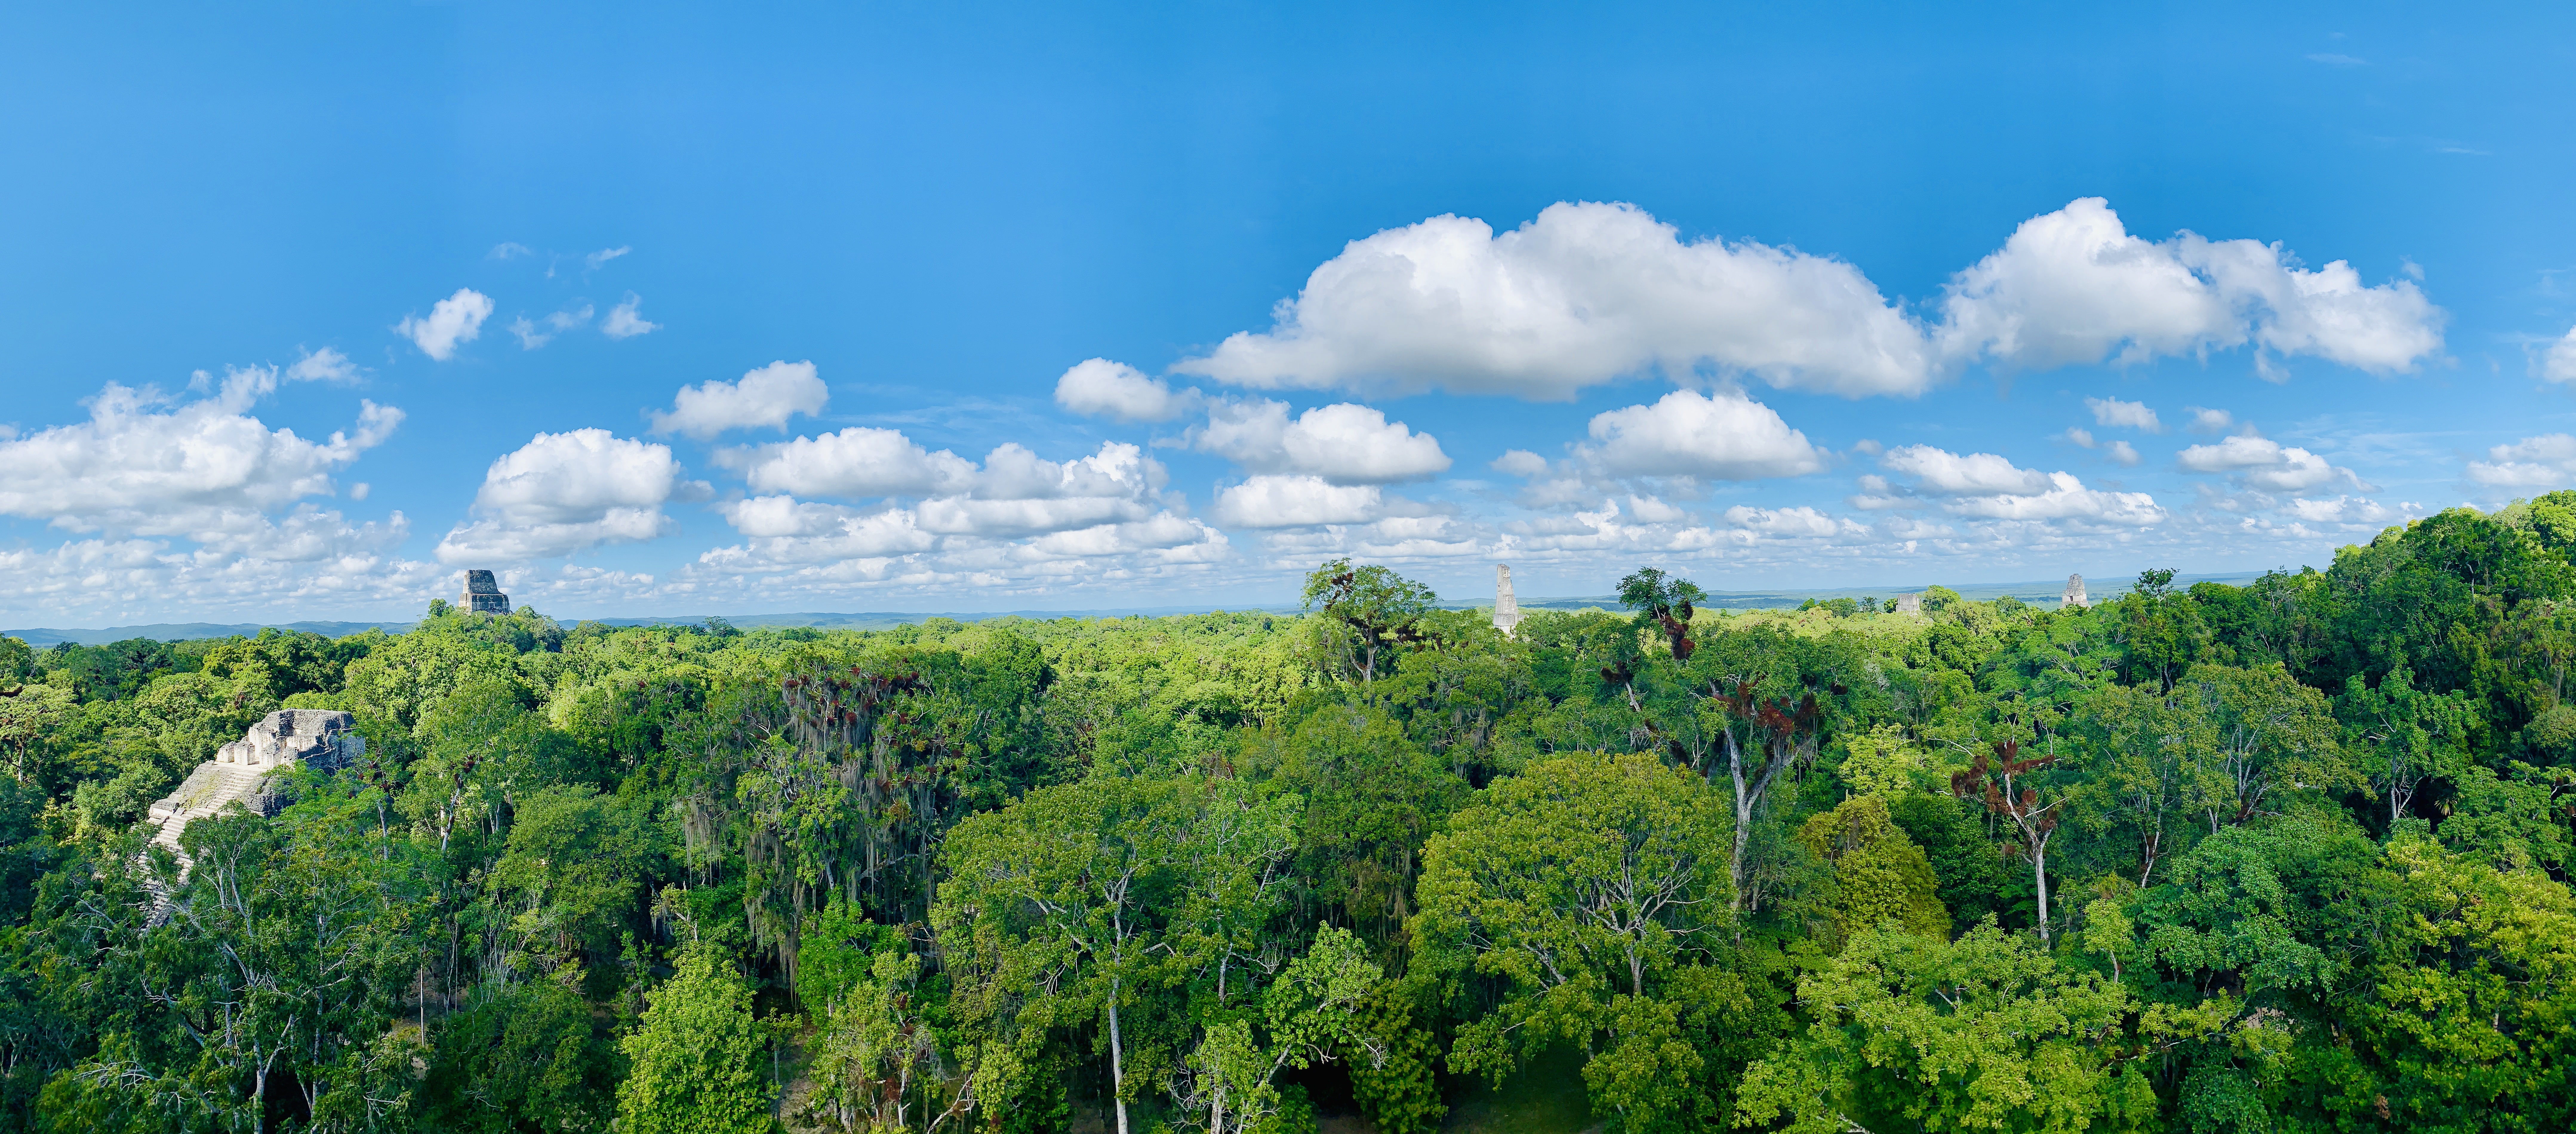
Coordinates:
(1379, 608)
(1663, 603)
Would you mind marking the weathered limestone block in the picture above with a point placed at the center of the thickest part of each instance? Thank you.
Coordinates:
(1909, 604)
(1507, 607)
(2074, 598)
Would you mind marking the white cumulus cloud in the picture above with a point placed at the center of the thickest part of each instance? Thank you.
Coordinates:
(2558, 364)
(1588, 293)
(2262, 463)
(204, 469)
(2064, 498)
(2546, 462)
(1297, 501)
(1782, 521)
(453, 320)
(565, 492)
(2342, 510)
(2073, 286)
(1101, 388)
(324, 365)
(2124, 415)
(1720, 436)
(1582, 294)
(1987, 486)
(857, 462)
(1345, 443)
(1940, 472)
(764, 397)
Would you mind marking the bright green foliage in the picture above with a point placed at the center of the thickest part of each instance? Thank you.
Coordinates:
(1884, 762)
(2472, 1021)
(1985, 1033)
(1590, 889)
(524, 1057)
(1314, 1013)
(29, 715)
(1880, 876)
(1070, 891)
(1027, 875)
(1396, 1085)
(699, 1064)
(1376, 610)
(1373, 796)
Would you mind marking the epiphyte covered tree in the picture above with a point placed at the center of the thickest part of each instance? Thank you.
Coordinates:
(1380, 609)
(1663, 602)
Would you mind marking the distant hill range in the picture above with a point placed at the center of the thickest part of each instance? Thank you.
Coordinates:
(2042, 592)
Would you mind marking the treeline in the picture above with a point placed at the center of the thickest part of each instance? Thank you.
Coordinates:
(2289, 856)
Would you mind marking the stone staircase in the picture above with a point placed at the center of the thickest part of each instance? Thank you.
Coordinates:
(205, 792)
(316, 738)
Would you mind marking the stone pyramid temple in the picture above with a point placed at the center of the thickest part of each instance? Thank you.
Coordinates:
(483, 595)
(322, 739)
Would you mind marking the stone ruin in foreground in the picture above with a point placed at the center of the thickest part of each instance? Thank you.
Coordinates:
(322, 739)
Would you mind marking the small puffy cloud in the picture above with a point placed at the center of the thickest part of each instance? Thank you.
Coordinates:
(2081, 437)
(1519, 462)
(764, 397)
(1986, 486)
(2547, 461)
(533, 334)
(1014, 493)
(1016, 513)
(1297, 501)
(2209, 420)
(2124, 415)
(510, 250)
(2123, 454)
(2064, 498)
(2262, 463)
(453, 320)
(324, 365)
(855, 463)
(204, 469)
(1583, 294)
(1018, 493)
(566, 492)
(1721, 436)
(604, 255)
(2341, 510)
(626, 320)
(2559, 363)
(1782, 521)
(1101, 388)
(1653, 510)
(786, 530)
(1940, 472)
(1345, 443)
(2073, 287)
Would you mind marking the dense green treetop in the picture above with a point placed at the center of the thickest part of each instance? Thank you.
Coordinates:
(2288, 856)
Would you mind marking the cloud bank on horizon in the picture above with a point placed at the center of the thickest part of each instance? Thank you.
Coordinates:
(191, 500)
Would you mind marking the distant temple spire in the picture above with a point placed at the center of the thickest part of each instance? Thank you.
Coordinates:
(2074, 598)
(1507, 609)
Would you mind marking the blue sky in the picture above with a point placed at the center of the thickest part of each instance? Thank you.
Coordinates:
(1769, 297)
